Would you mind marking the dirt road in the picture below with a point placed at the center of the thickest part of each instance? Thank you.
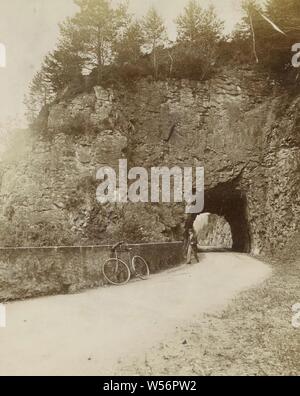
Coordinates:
(89, 333)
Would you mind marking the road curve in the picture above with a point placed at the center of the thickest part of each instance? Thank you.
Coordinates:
(88, 333)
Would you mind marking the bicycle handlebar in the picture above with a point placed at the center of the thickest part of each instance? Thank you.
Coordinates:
(117, 245)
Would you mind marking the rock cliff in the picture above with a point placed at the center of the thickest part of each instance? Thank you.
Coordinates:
(243, 128)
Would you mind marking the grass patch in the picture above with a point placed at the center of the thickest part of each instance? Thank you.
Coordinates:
(253, 336)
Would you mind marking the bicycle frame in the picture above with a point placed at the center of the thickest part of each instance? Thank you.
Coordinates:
(129, 256)
(115, 258)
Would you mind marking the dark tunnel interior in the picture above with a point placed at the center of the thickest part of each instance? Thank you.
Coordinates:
(228, 201)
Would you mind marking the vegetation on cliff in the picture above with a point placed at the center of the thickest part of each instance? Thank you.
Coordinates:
(102, 44)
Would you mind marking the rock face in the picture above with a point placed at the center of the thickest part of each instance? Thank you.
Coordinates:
(213, 230)
(242, 128)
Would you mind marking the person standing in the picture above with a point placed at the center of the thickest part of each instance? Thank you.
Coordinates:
(192, 247)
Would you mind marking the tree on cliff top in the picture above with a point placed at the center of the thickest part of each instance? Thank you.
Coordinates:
(65, 63)
(40, 95)
(286, 15)
(128, 46)
(251, 30)
(86, 41)
(198, 33)
(60, 68)
(99, 24)
(155, 35)
(197, 24)
(267, 33)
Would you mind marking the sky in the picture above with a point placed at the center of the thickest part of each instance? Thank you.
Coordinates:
(29, 30)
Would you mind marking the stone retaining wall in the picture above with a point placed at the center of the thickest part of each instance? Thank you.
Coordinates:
(31, 272)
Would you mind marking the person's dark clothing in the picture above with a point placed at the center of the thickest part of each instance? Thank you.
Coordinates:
(192, 248)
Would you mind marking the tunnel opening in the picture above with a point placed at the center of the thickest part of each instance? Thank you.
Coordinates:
(213, 232)
(229, 202)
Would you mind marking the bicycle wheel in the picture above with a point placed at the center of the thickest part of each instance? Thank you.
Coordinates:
(116, 272)
(140, 267)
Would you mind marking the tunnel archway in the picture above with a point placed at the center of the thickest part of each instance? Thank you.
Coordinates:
(213, 232)
(228, 201)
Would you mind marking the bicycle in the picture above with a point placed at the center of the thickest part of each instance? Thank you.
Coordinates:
(117, 272)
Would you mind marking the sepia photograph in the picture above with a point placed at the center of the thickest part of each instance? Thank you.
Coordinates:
(149, 191)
